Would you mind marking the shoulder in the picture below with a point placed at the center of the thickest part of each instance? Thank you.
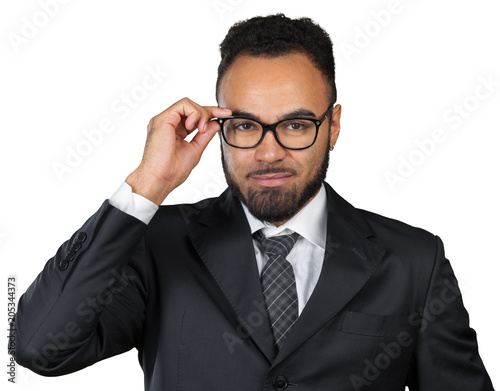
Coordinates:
(179, 217)
(400, 237)
(395, 236)
(390, 227)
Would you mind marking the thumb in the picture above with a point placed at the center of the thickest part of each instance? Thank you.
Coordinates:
(201, 140)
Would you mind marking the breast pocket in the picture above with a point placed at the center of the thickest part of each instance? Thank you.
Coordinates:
(374, 325)
(379, 349)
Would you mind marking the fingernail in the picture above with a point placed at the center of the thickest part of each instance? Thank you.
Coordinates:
(205, 127)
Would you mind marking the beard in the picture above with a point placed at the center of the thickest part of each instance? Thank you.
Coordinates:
(275, 204)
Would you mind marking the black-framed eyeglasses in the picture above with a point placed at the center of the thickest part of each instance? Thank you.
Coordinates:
(294, 133)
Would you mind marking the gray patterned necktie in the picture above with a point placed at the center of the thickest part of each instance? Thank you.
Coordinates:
(278, 284)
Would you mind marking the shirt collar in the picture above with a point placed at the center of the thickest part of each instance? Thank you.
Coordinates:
(309, 223)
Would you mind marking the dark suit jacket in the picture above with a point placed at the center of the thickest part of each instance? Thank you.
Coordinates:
(185, 291)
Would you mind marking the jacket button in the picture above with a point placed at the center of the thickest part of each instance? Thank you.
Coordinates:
(280, 383)
(80, 237)
(75, 246)
(70, 256)
(63, 265)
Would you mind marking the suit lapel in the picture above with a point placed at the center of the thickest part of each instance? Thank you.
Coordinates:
(350, 260)
(224, 242)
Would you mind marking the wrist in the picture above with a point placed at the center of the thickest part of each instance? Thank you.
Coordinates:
(148, 187)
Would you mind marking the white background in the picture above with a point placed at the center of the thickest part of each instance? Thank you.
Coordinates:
(425, 60)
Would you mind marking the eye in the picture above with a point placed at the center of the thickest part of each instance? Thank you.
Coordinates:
(297, 125)
(244, 126)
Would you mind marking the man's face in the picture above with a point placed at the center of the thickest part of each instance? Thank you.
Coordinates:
(275, 182)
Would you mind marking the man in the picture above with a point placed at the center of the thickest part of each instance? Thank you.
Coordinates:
(279, 282)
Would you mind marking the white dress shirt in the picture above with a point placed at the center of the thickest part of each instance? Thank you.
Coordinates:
(133, 204)
(306, 256)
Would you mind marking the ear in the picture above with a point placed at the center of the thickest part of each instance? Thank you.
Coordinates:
(335, 125)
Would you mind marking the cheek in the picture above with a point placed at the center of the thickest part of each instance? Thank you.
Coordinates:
(235, 162)
(310, 160)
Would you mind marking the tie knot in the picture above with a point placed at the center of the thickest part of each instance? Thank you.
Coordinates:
(277, 245)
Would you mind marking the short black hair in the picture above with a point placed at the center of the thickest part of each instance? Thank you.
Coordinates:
(277, 35)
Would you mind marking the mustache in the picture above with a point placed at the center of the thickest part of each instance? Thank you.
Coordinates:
(272, 170)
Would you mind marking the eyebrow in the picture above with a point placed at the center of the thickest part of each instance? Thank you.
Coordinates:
(293, 114)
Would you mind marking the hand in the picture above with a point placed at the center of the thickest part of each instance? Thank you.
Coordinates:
(168, 159)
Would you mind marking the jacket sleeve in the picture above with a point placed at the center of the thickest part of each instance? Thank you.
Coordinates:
(446, 355)
(88, 303)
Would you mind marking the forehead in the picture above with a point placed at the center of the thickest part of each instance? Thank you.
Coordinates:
(271, 87)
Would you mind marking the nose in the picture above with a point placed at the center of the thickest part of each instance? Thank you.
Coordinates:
(269, 150)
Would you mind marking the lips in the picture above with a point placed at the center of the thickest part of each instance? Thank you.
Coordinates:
(274, 179)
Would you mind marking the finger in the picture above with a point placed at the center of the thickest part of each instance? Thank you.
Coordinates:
(217, 112)
(151, 125)
(200, 119)
(212, 126)
(184, 112)
(197, 116)
(212, 112)
(201, 140)
(188, 115)
(193, 119)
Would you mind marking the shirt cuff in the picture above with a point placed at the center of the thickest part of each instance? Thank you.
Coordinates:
(133, 204)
